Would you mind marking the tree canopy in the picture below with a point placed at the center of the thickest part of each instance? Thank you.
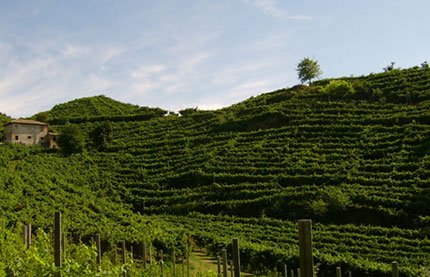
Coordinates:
(71, 139)
(308, 70)
(101, 135)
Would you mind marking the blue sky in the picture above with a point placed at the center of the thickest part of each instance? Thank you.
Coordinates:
(207, 53)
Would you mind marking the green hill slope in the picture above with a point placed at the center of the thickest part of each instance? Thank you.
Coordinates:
(289, 154)
(96, 108)
(342, 157)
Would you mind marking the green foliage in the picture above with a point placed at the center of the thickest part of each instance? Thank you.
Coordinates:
(101, 135)
(308, 70)
(267, 244)
(92, 106)
(188, 112)
(265, 162)
(71, 139)
(78, 260)
(338, 88)
(3, 120)
(361, 89)
(42, 116)
(95, 109)
(336, 199)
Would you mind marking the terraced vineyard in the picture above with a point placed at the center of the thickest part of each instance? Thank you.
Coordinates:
(357, 163)
(353, 149)
(269, 243)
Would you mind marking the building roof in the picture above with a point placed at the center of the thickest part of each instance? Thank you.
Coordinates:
(25, 121)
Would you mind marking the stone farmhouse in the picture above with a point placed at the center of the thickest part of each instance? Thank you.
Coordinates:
(29, 132)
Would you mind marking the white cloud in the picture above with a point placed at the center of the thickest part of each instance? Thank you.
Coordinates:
(96, 83)
(145, 72)
(171, 77)
(233, 74)
(75, 51)
(4, 50)
(271, 42)
(191, 61)
(210, 106)
(233, 94)
(142, 88)
(269, 7)
(301, 17)
(52, 72)
(248, 89)
(109, 53)
(19, 75)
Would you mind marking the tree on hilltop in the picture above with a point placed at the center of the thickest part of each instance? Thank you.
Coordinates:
(308, 70)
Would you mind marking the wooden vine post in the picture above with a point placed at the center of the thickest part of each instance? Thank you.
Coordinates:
(28, 236)
(224, 262)
(144, 255)
(218, 258)
(24, 234)
(150, 254)
(174, 262)
(285, 271)
(2, 227)
(57, 240)
(63, 243)
(124, 259)
(338, 272)
(183, 266)
(162, 263)
(99, 252)
(236, 257)
(115, 258)
(394, 269)
(188, 257)
(131, 253)
(305, 248)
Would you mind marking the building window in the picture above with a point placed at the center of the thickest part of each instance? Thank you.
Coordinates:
(16, 138)
(29, 137)
(54, 138)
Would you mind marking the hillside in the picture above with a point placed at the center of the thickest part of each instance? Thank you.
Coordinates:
(355, 160)
(96, 108)
(288, 154)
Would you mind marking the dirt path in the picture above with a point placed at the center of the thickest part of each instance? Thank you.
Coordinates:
(202, 262)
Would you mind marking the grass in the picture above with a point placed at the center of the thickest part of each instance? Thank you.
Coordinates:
(201, 262)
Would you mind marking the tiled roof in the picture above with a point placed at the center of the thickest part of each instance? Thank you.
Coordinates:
(25, 121)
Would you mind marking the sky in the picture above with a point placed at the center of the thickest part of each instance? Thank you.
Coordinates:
(177, 54)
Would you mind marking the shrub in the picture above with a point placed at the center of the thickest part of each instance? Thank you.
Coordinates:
(362, 89)
(338, 88)
(336, 199)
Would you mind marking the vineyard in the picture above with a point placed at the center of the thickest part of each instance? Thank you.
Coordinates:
(356, 162)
